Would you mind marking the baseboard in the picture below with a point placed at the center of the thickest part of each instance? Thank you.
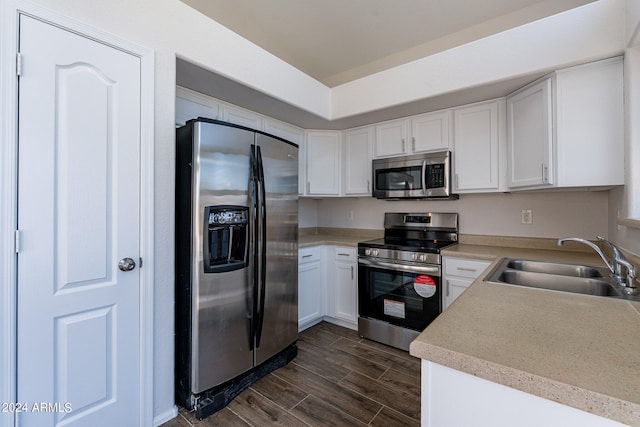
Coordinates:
(168, 415)
(340, 322)
(309, 323)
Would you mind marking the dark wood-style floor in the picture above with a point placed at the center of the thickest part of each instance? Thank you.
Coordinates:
(337, 379)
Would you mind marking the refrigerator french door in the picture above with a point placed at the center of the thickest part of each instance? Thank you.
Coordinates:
(236, 253)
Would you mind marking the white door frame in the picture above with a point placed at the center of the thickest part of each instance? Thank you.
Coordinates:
(9, 12)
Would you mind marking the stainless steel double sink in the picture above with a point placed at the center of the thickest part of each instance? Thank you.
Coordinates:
(579, 279)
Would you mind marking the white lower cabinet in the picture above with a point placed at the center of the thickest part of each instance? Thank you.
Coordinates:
(458, 274)
(328, 286)
(455, 398)
(310, 286)
(342, 287)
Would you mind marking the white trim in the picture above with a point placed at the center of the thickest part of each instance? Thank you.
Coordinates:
(9, 11)
(8, 201)
(167, 415)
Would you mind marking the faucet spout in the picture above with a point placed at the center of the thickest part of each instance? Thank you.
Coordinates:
(606, 259)
(615, 264)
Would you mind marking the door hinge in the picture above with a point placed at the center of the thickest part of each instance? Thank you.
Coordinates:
(18, 64)
(16, 241)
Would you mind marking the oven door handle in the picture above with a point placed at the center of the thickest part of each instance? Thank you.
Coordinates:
(400, 267)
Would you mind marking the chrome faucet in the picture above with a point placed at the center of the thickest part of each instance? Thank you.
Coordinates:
(614, 264)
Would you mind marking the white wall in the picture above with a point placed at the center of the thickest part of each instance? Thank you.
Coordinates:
(555, 214)
(626, 202)
(308, 213)
(593, 31)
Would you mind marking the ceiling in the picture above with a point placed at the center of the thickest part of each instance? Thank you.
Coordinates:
(336, 41)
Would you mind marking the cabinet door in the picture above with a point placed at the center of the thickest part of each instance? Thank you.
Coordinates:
(590, 124)
(529, 115)
(310, 292)
(345, 292)
(454, 287)
(323, 163)
(295, 135)
(476, 155)
(242, 117)
(357, 161)
(391, 138)
(430, 132)
(191, 105)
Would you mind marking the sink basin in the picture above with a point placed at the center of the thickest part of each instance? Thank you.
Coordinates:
(573, 278)
(576, 285)
(572, 270)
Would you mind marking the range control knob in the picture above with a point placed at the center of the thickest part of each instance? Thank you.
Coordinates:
(367, 252)
(423, 257)
(375, 252)
(414, 257)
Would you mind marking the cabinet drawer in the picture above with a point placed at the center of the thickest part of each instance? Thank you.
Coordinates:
(345, 254)
(464, 267)
(310, 254)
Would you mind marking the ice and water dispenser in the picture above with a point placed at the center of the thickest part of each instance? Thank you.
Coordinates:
(226, 238)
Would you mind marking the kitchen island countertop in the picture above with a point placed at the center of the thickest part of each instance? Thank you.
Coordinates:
(579, 350)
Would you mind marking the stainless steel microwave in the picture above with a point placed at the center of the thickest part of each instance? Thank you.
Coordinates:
(419, 176)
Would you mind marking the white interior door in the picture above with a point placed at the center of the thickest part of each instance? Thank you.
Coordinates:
(78, 216)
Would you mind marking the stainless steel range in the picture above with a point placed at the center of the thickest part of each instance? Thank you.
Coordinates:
(399, 276)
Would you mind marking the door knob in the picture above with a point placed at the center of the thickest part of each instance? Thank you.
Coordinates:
(126, 264)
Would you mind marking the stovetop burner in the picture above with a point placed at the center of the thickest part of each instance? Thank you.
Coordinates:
(413, 237)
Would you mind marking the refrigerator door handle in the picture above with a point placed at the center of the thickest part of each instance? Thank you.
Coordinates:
(262, 237)
(252, 305)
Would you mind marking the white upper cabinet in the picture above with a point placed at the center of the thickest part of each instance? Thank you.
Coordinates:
(324, 159)
(590, 124)
(191, 105)
(391, 138)
(357, 161)
(242, 117)
(417, 134)
(567, 130)
(295, 135)
(430, 132)
(479, 145)
(530, 150)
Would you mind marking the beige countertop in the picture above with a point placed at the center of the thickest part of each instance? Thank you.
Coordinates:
(579, 350)
(335, 236)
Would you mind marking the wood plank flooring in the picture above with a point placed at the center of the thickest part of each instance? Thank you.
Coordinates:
(337, 379)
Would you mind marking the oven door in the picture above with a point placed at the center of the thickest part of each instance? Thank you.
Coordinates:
(390, 292)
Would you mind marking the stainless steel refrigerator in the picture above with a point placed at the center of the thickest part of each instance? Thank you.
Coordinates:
(236, 233)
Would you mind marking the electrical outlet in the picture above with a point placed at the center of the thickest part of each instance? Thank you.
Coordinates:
(350, 215)
(527, 216)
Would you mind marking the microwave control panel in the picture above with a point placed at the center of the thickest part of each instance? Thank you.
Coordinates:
(435, 175)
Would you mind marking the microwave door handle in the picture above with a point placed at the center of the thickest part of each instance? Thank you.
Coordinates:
(447, 176)
(424, 177)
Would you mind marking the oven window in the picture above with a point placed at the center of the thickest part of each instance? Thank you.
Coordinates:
(390, 296)
(405, 178)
